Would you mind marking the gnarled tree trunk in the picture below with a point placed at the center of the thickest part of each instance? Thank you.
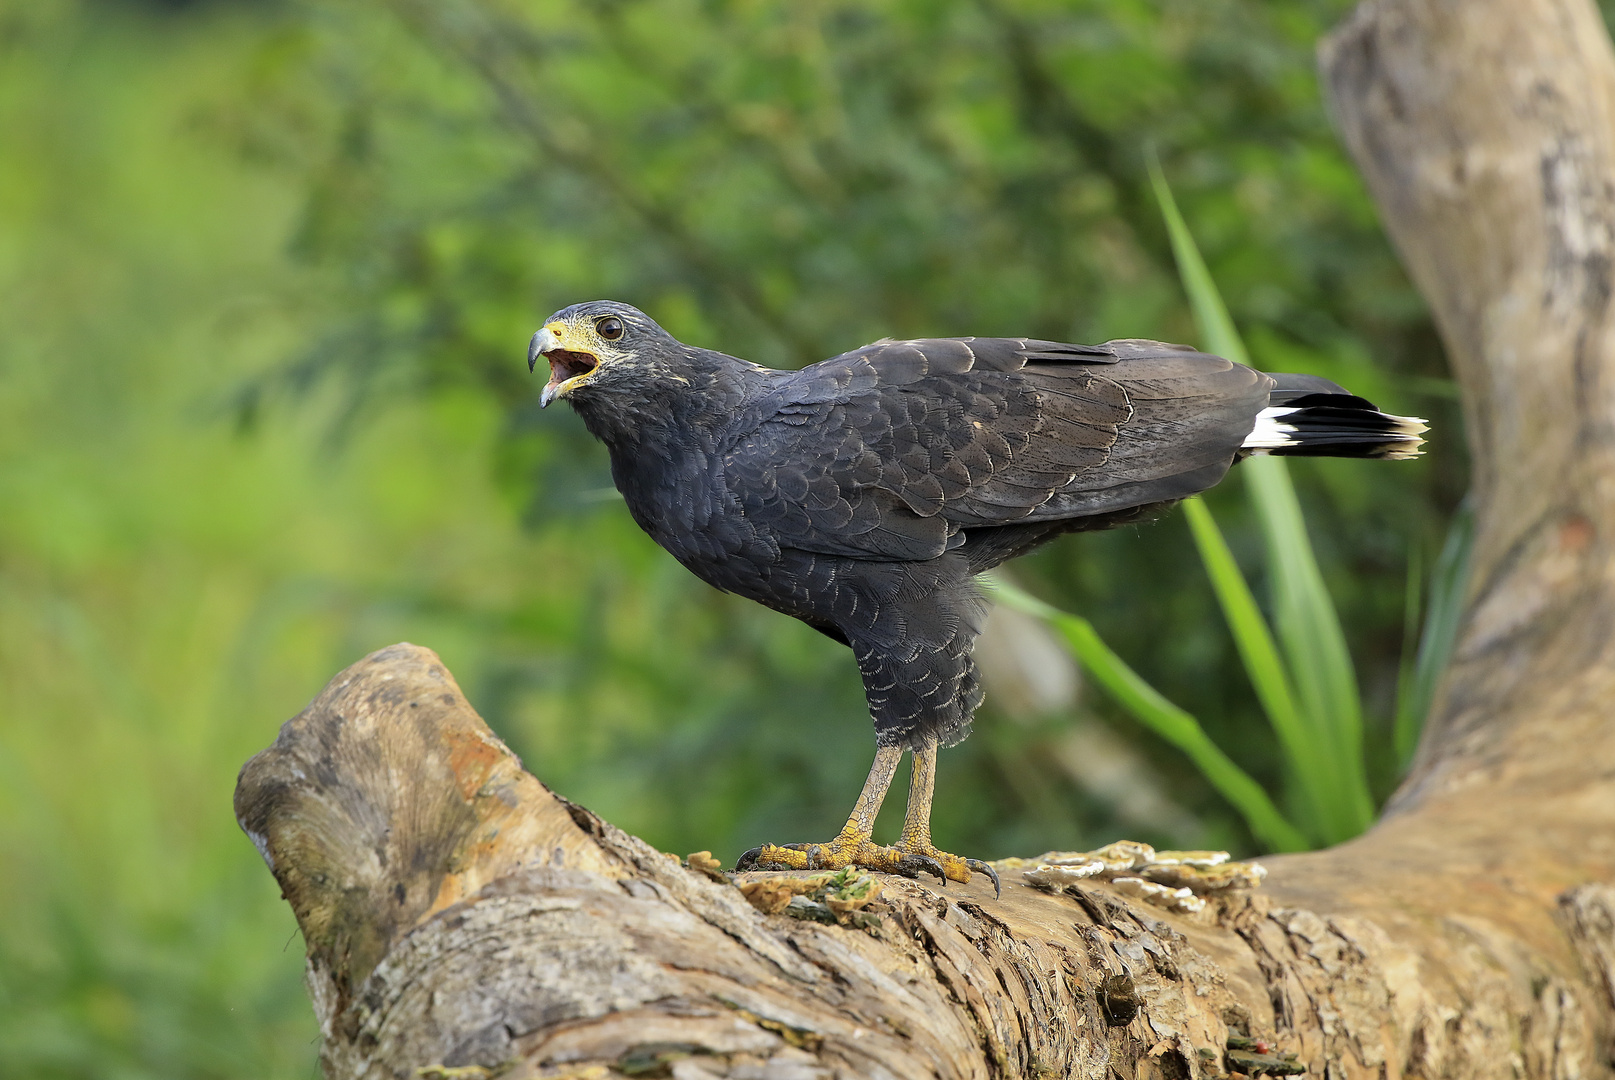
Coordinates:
(460, 915)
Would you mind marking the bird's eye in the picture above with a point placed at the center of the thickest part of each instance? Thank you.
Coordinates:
(609, 327)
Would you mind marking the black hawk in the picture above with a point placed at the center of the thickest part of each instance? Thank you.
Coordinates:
(863, 493)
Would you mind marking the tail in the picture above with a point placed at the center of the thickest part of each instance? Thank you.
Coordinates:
(1310, 416)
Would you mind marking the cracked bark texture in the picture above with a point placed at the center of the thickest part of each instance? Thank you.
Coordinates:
(458, 914)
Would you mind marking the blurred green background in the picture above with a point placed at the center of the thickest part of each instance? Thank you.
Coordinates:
(267, 273)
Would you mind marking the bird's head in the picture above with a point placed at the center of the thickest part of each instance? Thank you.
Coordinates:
(598, 344)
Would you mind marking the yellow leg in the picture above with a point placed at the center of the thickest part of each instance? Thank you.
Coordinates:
(917, 822)
(921, 789)
(853, 846)
(879, 781)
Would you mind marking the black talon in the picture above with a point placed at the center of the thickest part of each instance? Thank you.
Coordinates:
(983, 868)
(903, 867)
(929, 865)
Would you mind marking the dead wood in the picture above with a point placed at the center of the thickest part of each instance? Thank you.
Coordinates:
(459, 915)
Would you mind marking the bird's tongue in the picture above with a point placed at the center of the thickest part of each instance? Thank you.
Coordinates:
(565, 365)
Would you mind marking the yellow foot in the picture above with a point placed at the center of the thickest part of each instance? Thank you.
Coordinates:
(956, 867)
(852, 849)
(847, 849)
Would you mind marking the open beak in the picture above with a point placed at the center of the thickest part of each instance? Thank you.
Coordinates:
(567, 365)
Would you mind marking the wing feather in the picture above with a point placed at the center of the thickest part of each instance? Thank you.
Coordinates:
(890, 451)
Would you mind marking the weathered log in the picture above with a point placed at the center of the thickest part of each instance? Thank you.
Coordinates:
(458, 914)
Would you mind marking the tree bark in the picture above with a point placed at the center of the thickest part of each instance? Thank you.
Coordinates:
(458, 914)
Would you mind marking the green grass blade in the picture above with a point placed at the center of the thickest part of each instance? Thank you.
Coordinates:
(1308, 627)
(1403, 740)
(1314, 646)
(1161, 716)
(1447, 585)
(1263, 664)
(1210, 313)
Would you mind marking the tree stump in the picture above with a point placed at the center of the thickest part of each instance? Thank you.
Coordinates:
(462, 920)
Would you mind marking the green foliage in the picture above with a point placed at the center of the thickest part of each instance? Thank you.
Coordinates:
(266, 274)
(786, 180)
(1167, 720)
(1320, 728)
(167, 593)
(1416, 691)
(1268, 674)
(1319, 722)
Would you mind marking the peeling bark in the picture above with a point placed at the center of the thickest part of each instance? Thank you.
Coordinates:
(459, 915)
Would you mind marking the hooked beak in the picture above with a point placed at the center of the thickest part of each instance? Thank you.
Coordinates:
(567, 365)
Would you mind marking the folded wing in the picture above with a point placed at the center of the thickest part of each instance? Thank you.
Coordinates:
(892, 451)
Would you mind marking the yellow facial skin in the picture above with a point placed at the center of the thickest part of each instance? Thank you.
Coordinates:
(575, 352)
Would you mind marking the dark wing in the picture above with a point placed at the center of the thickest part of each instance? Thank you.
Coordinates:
(1191, 414)
(888, 452)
